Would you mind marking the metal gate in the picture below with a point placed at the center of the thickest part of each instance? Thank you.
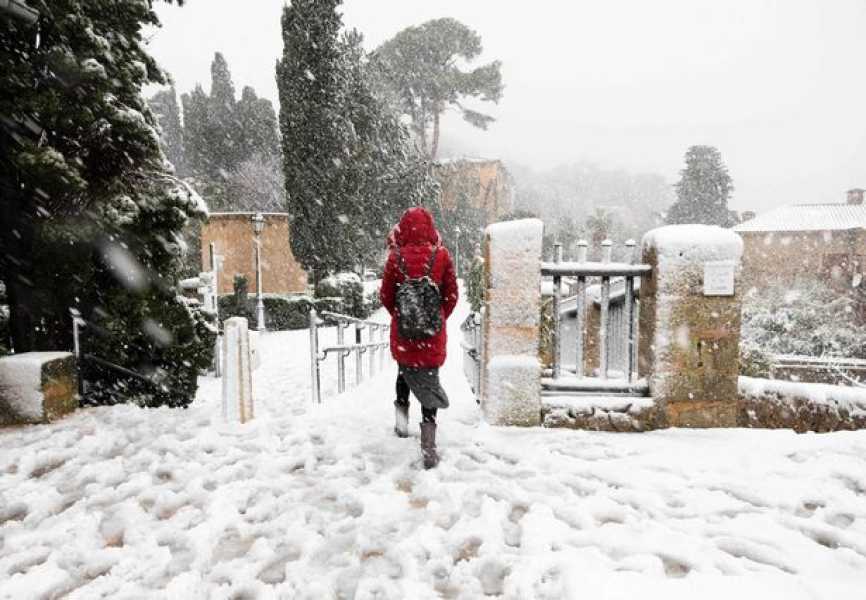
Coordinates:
(617, 338)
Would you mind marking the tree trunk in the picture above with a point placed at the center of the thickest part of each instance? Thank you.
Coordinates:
(17, 272)
(435, 147)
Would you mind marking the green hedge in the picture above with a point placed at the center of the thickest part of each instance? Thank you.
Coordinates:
(281, 312)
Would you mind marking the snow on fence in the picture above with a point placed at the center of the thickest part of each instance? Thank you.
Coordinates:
(376, 349)
(617, 328)
(471, 346)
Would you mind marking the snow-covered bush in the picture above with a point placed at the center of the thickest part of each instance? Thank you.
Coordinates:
(347, 286)
(804, 318)
(475, 283)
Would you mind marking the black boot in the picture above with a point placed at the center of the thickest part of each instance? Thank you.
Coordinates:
(428, 445)
(401, 420)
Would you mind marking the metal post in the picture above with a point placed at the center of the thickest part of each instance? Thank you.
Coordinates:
(372, 349)
(383, 330)
(629, 314)
(215, 270)
(341, 360)
(606, 251)
(476, 320)
(580, 307)
(314, 356)
(557, 325)
(359, 371)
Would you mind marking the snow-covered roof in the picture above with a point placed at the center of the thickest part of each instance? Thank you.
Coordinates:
(808, 217)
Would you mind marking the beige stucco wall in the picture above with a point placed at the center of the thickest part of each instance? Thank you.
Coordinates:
(831, 256)
(485, 182)
(233, 236)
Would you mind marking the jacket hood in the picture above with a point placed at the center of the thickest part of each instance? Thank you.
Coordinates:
(416, 227)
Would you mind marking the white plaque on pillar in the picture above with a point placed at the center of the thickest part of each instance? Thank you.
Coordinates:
(719, 278)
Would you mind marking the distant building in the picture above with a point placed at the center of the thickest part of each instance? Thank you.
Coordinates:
(232, 234)
(827, 241)
(484, 183)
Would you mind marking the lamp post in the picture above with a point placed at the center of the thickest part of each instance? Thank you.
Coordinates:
(258, 225)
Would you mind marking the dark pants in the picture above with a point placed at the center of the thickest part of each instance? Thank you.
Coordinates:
(424, 384)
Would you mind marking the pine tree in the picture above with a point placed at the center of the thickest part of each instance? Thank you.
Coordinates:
(421, 66)
(703, 190)
(95, 219)
(167, 110)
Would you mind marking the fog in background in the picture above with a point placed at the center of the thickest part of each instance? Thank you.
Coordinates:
(777, 86)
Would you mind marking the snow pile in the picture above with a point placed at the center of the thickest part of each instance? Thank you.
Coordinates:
(690, 243)
(323, 502)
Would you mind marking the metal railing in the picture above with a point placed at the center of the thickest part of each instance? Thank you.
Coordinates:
(376, 348)
(604, 271)
(471, 345)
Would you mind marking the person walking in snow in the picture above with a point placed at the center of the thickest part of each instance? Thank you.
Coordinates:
(419, 290)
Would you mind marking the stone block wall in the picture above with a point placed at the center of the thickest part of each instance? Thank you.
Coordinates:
(37, 387)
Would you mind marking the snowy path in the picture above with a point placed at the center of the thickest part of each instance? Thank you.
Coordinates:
(323, 502)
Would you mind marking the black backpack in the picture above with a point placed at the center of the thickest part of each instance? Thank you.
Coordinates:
(419, 303)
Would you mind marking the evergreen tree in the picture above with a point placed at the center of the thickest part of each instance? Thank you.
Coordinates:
(93, 218)
(421, 66)
(227, 139)
(703, 189)
(258, 126)
(167, 110)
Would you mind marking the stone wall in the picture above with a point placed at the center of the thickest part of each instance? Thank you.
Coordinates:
(766, 403)
(37, 387)
(234, 239)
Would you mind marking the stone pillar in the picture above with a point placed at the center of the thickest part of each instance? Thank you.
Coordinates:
(237, 371)
(37, 387)
(510, 368)
(690, 323)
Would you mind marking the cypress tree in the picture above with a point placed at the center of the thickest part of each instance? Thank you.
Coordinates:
(165, 106)
(703, 189)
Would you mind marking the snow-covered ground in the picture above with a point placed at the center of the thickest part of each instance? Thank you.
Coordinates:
(323, 502)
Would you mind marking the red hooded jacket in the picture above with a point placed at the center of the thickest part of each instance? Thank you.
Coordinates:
(416, 236)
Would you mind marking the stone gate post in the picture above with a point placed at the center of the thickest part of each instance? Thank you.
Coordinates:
(690, 323)
(510, 368)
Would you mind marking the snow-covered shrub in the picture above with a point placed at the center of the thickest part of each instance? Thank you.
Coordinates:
(804, 318)
(161, 355)
(347, 286)
(475, 283)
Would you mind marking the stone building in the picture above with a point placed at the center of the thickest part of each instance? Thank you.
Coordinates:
(232, 233)
(485, 183)
(823, 240)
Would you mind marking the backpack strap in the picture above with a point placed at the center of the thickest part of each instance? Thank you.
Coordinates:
(401, 266)
(433, 254)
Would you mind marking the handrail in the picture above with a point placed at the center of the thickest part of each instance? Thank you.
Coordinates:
(350, 319)
(372, 347)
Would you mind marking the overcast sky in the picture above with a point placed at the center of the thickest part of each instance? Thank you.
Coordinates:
(777, 86)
